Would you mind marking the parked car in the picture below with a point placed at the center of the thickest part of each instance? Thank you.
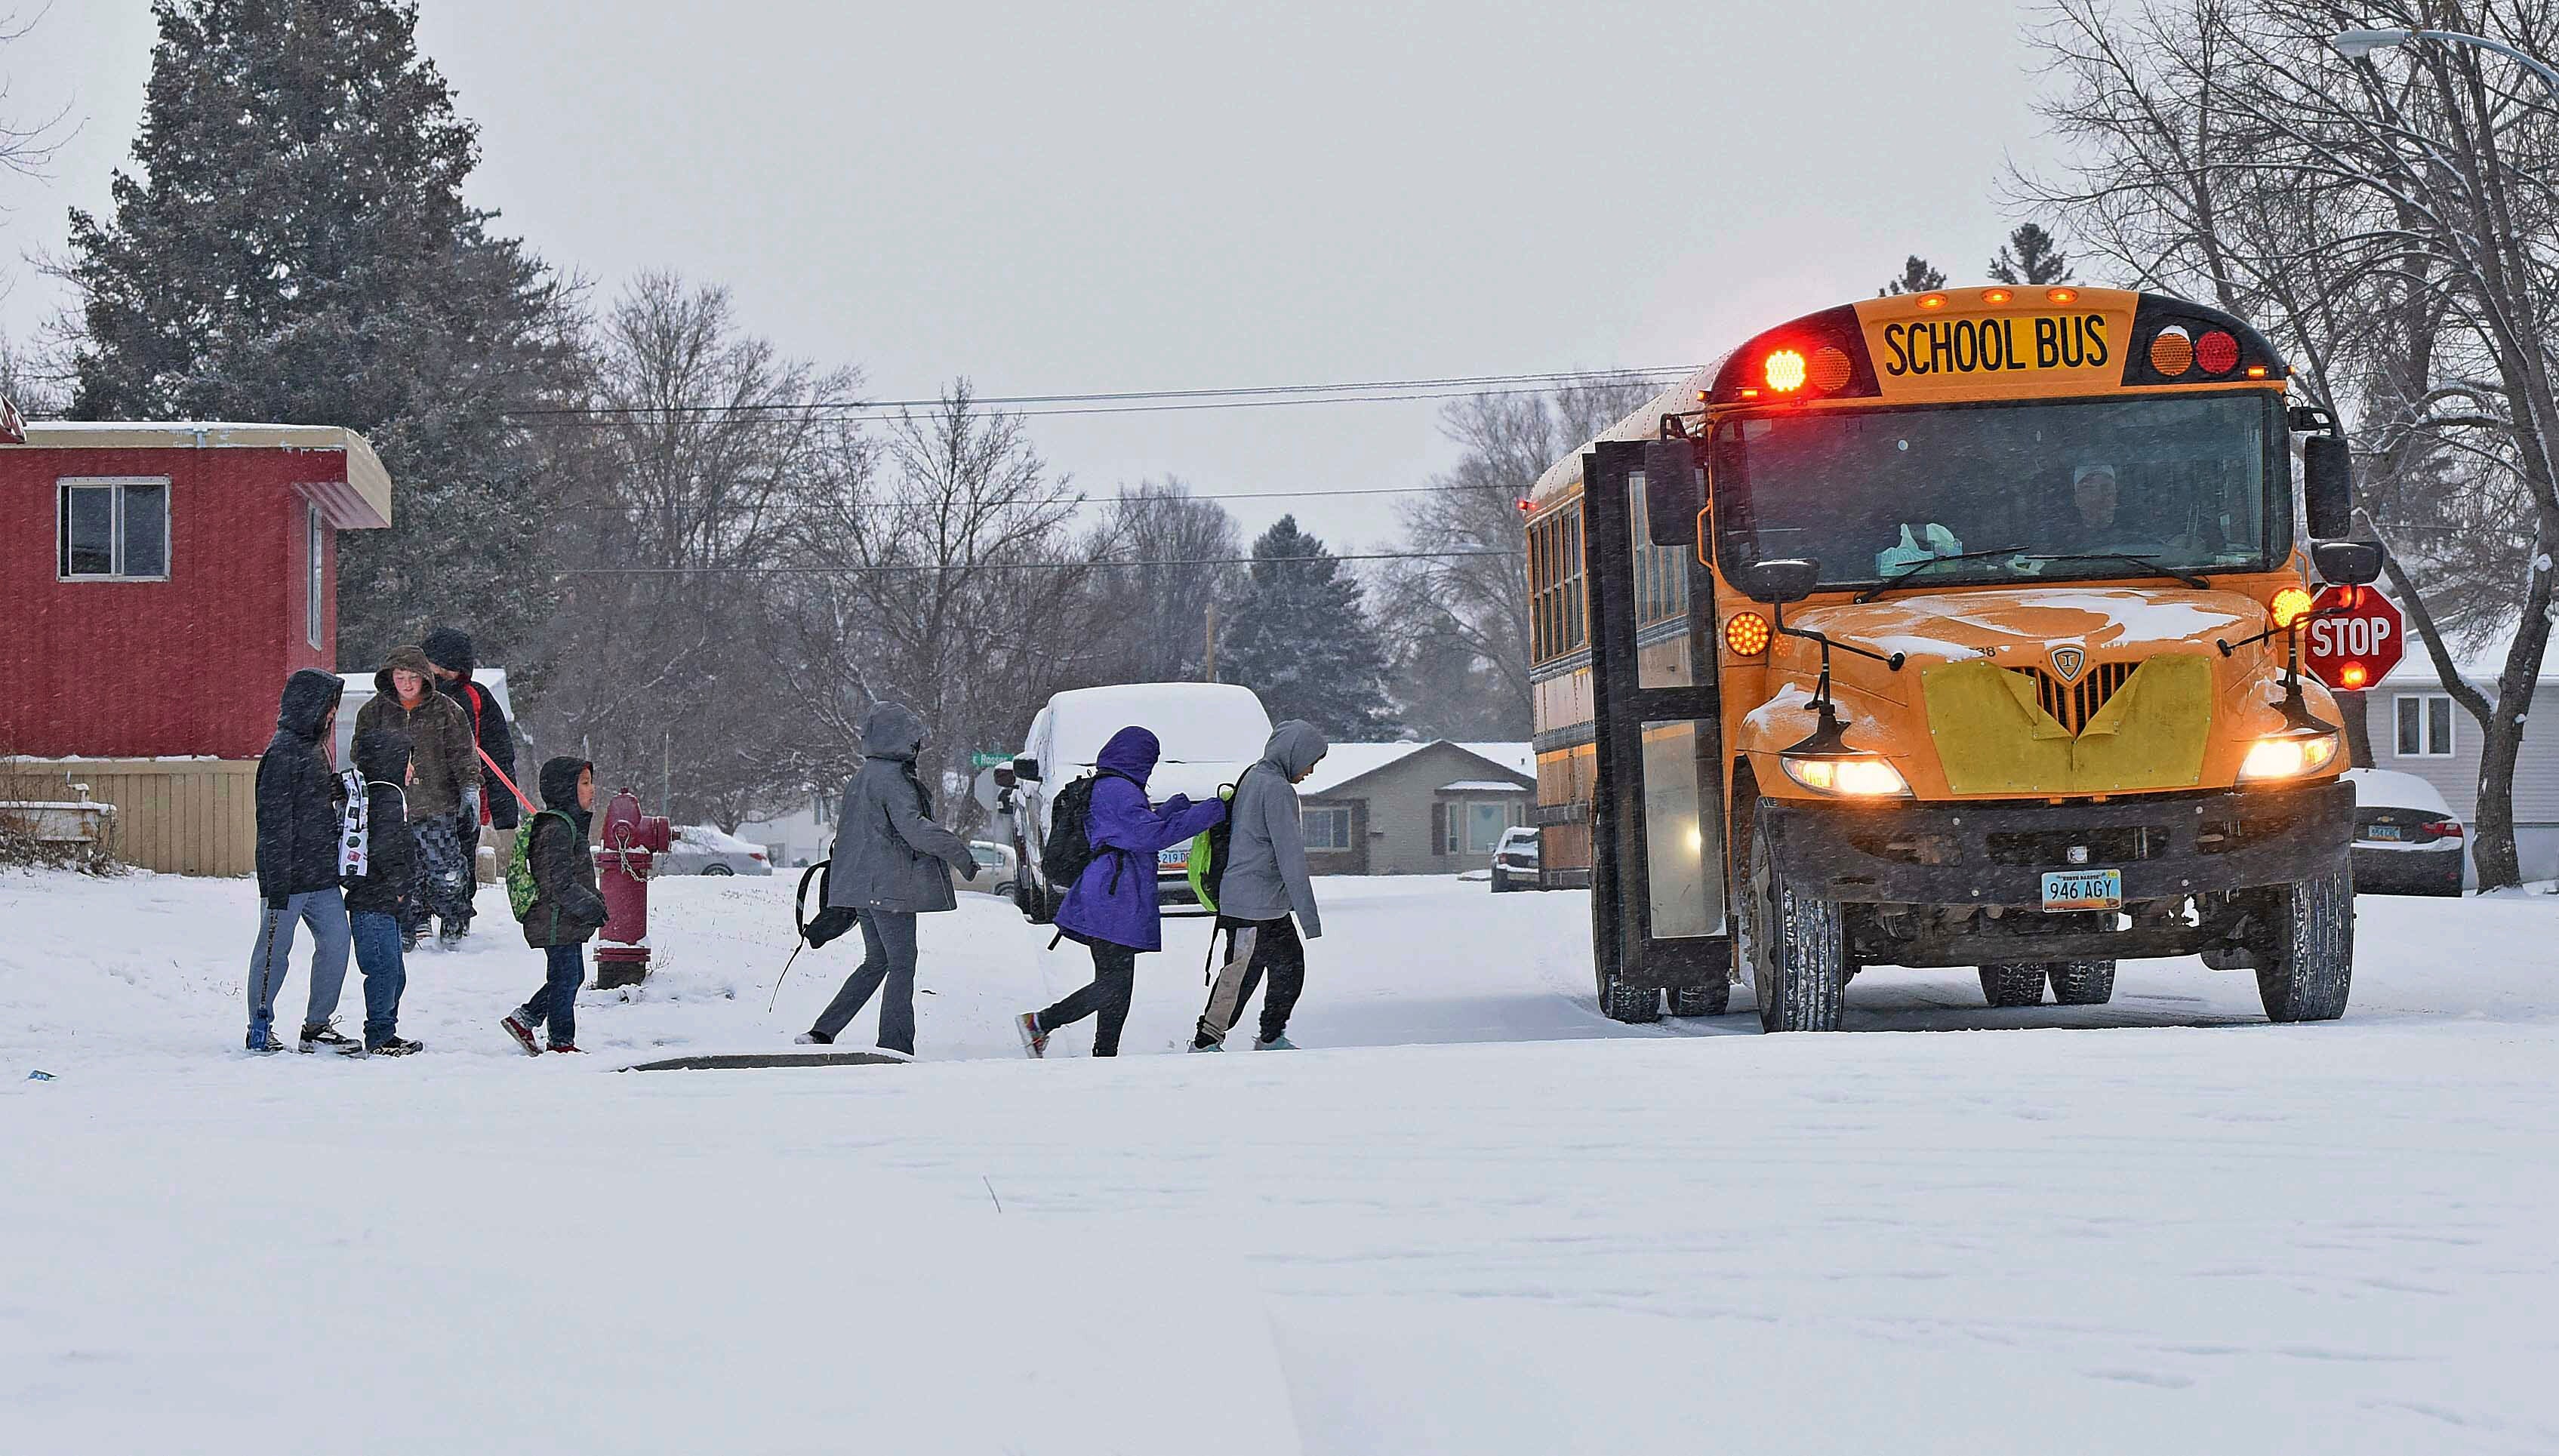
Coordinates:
(1515, 860)
(997, 868)
(1210, 732)
(703, 849)
(2407, 840)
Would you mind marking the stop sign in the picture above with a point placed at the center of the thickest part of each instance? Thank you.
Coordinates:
(2353, 637)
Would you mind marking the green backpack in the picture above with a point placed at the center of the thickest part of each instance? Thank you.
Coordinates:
(1209, 847)
(521, 892)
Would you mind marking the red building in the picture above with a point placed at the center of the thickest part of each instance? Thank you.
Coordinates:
(158, 583)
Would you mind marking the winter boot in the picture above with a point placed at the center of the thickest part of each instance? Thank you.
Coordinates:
(568, 1047)
(812, 1039)
(1034, 1040)
(316, 1037)
(1279, 1043)
(522, 1029)
(394, 1047)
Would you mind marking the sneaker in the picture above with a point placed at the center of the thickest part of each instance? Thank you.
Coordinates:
(394, 1047)
(264, 1046)
(1211, 1046)
(1034, 1040)
(1279, 1043)
(567, 1047)
(522, 1030)
(812, 1039)
(316, 1037)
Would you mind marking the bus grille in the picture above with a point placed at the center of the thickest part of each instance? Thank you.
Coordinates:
(2072, 705)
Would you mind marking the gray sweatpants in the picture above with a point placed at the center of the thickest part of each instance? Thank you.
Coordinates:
(325, 911)
(888, 944)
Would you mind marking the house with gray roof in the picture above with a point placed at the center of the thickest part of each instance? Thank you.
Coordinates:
(1414, 808)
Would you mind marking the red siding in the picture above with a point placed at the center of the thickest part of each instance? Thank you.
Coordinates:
(184, 666)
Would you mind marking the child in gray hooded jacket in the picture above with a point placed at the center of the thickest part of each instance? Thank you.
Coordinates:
(1265, 882)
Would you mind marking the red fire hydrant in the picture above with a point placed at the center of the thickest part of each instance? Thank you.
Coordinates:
(632, 841)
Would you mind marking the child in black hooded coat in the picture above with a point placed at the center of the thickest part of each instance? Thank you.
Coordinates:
(376, 897)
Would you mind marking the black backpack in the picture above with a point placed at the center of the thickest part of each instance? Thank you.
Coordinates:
(1065, 848)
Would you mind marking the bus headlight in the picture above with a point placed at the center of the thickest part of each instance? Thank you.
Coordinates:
(1859, 776)
(2287, 755)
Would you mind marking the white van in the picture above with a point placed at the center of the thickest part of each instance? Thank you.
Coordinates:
(1211, 733)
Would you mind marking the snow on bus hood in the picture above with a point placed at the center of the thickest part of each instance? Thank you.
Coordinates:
(2108, 622)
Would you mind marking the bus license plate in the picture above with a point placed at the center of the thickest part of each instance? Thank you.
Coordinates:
(2083, 889)
(1176, 858)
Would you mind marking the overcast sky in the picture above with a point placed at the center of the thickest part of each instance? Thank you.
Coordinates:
(1078, 197)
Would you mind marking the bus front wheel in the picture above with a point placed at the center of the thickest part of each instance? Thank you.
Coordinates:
(2306, 966)
(1795, 946)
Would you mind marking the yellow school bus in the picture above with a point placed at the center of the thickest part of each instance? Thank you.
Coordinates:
(1942, 630)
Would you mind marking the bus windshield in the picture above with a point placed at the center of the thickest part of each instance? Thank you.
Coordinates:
(2191, 483)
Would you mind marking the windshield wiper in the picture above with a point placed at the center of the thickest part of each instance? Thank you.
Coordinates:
(2146, 563)
(1899, 577)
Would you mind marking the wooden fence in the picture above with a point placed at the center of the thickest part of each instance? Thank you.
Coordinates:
(177, 816)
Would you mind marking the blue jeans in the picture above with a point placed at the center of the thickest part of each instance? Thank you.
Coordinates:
(888, 945)
(556, 1001)
(377, 955)
(325, 911)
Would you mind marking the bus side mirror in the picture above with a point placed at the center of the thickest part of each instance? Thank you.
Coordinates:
(1027, 769)
(2348, 564)
(1781, 582)
(1672, 496)
(2328, 487)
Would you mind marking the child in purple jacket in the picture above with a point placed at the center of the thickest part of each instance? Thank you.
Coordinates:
(1111, 907)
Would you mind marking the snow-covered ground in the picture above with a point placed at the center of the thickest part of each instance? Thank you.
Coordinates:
(1473, 1216)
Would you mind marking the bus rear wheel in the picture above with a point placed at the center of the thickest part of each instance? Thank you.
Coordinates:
(2081, 982)
(1795, 946)
(1712, 1000)
(2306, 967)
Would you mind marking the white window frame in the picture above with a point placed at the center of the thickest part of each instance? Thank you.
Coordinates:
(62, 487)
(313, 547)
(2427, 748)
(1337, 814)
(1468, 836)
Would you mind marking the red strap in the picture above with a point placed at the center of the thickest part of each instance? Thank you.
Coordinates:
(502, 779)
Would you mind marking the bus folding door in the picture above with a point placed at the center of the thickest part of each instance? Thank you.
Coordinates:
(1657, 911)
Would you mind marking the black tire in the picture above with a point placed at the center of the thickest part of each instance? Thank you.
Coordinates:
(2306, 967)
(1795, 946)
(2014, 986)
(2081, 982)
(1501, 883)
(716, 868)
(1712, 1000)
(1633, 1005)
(1036, 903)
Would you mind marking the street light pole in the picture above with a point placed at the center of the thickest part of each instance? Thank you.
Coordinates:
(2356, 45)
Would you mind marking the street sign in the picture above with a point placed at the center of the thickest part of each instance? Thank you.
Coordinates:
(2357, 645)
(988, 759)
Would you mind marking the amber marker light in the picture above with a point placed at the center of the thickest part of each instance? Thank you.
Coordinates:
(1932, 300)
(1785, 372)
(2256, 371)
(2289, 605)
(1830, 368)
(2171, 353)
(1746, 634)
(2061, 295)
(1996, 295)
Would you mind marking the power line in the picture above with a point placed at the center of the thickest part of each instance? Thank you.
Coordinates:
(903, 568)
(644, 510)
(1121, 401)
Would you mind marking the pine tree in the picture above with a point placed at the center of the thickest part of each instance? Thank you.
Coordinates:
(297, 249)
(2030, 258)
(1301, 638)
(1917, 277)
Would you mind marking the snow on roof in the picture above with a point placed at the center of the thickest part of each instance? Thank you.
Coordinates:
(1344, 762)
(366, 478)
(2480, 660)
(1485, 786)
(1642, 424)
(1195, 722)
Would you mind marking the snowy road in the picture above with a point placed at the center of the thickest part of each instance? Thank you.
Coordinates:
(1482, 1219)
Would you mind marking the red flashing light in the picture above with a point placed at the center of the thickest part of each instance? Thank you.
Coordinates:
(2217, 352)
(1785, 371)
(1523, 504)
(2353, 676)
